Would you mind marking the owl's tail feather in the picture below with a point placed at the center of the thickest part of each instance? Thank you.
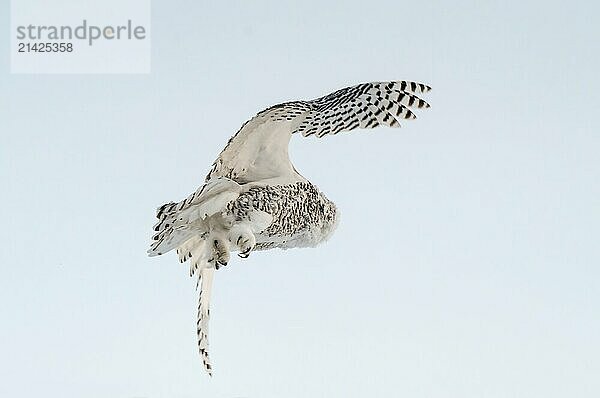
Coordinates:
(198, 252)
(205, 253)
(205, 278)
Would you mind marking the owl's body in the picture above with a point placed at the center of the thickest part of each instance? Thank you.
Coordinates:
(301, 215)
(255, 199)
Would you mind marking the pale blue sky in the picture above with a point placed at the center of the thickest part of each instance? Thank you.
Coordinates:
(466, 263)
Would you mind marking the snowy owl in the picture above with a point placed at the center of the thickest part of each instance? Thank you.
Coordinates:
(253, 197)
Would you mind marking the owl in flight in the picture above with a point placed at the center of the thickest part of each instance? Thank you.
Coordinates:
(253, 197)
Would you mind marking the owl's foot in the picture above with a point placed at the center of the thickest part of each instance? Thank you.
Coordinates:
(242, 238)
(212, 248)
(220, 252)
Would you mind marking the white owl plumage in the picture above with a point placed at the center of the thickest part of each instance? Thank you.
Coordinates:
(255, 199)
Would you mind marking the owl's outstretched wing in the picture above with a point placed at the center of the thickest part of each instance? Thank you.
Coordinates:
(259, 150)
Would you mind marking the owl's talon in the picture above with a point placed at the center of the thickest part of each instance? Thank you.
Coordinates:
(246, 253)
(243, 238)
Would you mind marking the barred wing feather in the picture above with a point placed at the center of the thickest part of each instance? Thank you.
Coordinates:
(259, 150)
